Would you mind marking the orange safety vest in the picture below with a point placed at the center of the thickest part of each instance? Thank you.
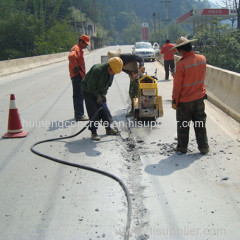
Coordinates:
(76, 59)
(188, 84)
(168, 54)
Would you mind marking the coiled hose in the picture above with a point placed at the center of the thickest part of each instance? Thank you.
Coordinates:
(127, 194)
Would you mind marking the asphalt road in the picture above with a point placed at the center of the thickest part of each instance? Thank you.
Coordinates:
(177, 197)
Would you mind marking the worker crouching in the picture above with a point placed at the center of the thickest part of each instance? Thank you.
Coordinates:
(133, 65)
(95, 86)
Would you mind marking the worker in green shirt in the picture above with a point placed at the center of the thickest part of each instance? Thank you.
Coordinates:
(95, 86)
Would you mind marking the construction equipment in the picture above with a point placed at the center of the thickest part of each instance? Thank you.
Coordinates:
(148, 104)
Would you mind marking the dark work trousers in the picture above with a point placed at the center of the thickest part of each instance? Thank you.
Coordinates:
(167, 64)
(192, 113)
(77, 96)
(92, 107)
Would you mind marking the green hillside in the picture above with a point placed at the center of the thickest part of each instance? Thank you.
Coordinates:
(35, 27)
(123, 18)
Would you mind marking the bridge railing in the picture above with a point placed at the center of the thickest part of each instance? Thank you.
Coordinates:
(22, 64)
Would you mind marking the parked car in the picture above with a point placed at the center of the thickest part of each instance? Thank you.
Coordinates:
(145, 50)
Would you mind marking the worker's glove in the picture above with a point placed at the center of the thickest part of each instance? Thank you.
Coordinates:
(142, 69)
(99, 100)
(76, 69)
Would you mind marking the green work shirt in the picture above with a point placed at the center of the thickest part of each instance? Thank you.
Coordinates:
(97, 80)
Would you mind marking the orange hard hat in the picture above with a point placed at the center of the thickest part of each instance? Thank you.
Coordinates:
(85, 38)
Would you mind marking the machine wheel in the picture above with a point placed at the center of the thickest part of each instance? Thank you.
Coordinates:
(149, 119)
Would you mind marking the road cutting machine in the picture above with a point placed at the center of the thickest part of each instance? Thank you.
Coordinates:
(148, 105)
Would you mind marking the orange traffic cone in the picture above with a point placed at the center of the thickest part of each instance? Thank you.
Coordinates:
(14, 122)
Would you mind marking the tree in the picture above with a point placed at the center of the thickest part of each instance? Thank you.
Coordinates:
(59, 38)
(16, 31)
(132, 32)
(232, 4)
(221, 46)
(175, 31)
(27, 26)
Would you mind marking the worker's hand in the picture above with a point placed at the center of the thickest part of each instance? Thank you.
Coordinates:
(134, 75)
(99, 100)
(76, 69)
(174, 106)
(142, 69)
(104, 99)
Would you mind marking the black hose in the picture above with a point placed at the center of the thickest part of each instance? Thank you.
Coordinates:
(127, 194)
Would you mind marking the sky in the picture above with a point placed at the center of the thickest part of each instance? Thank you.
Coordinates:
(214, 1)
(218, 2)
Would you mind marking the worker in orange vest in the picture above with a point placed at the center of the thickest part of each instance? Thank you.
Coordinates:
(77, 73)
(168, 56)
(188, 96)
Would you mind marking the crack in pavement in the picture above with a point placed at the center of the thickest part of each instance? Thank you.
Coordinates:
(133, 172)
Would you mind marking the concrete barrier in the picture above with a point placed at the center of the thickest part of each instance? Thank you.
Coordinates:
(223, 89)
(22, 64)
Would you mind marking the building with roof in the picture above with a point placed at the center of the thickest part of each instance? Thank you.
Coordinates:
(205, 16)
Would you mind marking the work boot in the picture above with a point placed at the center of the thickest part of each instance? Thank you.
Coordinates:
(130, 114)
(204, 150)
(95, 137)
(179, 149)
(82, 118)
(111, 131)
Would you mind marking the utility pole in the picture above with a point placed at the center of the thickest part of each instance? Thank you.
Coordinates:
(237, 6)
(82, 21)
(159, 34)
(166, 11)
(75, 25)
(154, 23)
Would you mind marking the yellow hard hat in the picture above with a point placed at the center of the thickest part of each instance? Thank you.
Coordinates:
(116, 64)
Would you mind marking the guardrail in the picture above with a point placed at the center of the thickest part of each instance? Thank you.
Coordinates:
(22, 64)
(223, 89)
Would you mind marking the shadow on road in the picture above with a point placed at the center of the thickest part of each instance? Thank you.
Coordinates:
(86, 146)
(55, 125)
(164, 80)
(172, 163)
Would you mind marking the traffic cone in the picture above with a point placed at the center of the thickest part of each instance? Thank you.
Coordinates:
(14, 122)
